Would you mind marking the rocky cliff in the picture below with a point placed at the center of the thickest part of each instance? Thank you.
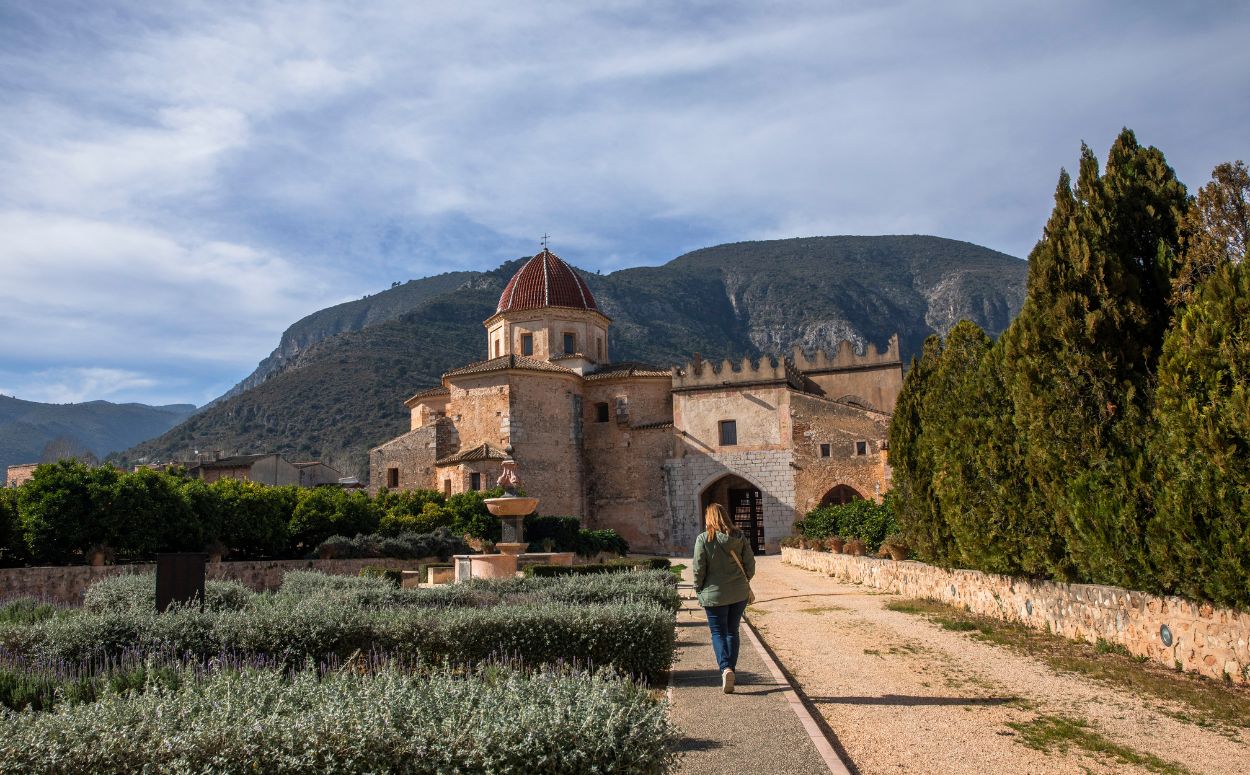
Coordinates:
(335, 385)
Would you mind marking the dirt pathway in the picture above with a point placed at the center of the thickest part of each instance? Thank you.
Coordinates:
(905, 695)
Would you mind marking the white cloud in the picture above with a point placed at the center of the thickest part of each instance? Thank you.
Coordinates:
(88, 287)
(182, 181)
(74, 385)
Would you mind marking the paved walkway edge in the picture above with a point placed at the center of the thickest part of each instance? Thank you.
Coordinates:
(817, 735)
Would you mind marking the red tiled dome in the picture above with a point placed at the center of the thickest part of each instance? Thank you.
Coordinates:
(546, 281)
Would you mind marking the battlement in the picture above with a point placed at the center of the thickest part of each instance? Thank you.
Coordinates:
(699, 373)
(846, 358)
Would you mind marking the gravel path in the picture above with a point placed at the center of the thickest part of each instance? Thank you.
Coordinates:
(903, 695)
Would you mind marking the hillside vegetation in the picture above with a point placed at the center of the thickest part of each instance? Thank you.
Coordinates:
(336, 385)
(28, 427)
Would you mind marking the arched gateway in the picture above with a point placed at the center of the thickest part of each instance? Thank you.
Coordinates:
(744, 502)
(840, 496)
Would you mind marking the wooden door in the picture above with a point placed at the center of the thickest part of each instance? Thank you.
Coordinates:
(747, 513)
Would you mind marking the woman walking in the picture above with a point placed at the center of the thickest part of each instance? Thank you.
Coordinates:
(723, 567)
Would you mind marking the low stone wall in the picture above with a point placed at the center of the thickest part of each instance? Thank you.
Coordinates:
(1197, 637)
(65, 584)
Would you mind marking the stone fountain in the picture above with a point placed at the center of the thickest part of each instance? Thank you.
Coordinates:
(512, 509)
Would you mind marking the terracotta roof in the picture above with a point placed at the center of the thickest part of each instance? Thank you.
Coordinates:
(546, 281)
(572, 356)
(508, 362)
(485, 451)
(628, 369)
(434, 391)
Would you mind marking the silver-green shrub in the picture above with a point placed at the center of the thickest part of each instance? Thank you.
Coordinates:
(494, 720)
(137, 591)
(635, 637)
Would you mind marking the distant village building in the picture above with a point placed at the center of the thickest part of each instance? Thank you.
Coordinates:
(18, 474)
(271, 469)
(641, 449)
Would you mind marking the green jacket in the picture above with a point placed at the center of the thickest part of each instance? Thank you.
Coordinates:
(717, 579)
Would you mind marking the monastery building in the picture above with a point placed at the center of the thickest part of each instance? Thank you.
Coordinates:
(641, 449)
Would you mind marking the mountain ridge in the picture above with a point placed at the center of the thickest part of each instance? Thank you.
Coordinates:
(337, 387)
(101, 427)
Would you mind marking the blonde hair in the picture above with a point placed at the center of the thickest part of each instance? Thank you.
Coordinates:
(716, 520)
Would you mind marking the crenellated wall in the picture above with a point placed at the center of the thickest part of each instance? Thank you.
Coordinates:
(705, 374)
(1214, 642)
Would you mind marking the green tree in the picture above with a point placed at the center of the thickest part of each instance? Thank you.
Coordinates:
(357, 514)
(471, 517)
(981, 482)
(1200, 533)
(918, 514)
(1083, 350)
(146, 513)
(255, 519)
(12, 547)
(314, 516)
(59, 517)
(1216, 229)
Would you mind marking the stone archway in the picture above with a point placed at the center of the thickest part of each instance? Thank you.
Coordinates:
(743, 500)
(840, 496)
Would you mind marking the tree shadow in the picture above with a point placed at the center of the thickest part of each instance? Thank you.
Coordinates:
(698, 744)
(907, 700)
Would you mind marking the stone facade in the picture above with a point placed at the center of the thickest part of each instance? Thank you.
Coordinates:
(66, 583)
(1172, 631)
(18, 474)
(639, 449)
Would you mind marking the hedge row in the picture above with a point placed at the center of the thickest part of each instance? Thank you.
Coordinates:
(494, 720)
(869, 521)
(622, 565)
(565, 534)
(625, 621)
(634, 637)
(441, 543)
(136, 592)
(66, 509)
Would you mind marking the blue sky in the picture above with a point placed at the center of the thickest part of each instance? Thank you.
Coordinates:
(181, 181)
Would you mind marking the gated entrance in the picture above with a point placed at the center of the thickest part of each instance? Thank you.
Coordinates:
(747, 513)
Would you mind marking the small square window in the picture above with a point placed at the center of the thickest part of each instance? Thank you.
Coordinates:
(728, 433)
(475, 482)
(527, 344)
(601, 412)
(570, 343)
(861, 448)
(392, 478)
(824, 450)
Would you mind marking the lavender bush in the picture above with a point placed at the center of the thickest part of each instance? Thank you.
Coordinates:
(493, 720)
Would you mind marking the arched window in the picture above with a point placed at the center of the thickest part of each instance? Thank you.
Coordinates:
(840, 496)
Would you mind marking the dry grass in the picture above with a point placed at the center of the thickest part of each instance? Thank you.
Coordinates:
(1062, 733)
(1184, 696)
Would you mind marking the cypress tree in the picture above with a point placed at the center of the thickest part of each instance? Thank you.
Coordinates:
(1200, 533)
(918, 515)
(981, 483)
(1082, 353)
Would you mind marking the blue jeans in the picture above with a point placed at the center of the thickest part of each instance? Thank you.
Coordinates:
(723, 621)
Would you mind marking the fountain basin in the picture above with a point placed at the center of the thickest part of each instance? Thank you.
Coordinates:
(514, 506)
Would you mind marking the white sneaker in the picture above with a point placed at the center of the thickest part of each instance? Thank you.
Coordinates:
(727, 680)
